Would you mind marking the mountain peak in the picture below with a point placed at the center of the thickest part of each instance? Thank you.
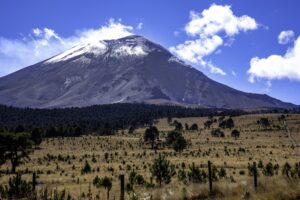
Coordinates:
(126, 70)
(132, 37)
(130, 45)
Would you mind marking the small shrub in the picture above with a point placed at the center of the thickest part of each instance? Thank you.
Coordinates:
(86, 168)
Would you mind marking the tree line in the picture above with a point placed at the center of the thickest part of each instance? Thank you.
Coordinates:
(100, 119)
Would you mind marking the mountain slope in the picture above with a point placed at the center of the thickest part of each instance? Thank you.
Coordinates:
(130, 69)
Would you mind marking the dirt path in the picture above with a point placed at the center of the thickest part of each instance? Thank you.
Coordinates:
(294, 142)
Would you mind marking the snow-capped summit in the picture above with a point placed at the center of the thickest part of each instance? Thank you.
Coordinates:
(80, 50)
(129, 69)
(128, 46)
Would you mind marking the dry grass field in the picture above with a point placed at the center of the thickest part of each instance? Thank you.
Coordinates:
(59, 161)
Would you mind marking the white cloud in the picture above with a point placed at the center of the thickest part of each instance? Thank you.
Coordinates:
(44, 43)
(286, 36)
(176, 33)
(195, 50)
(139, 26)
(233, 73)
(277, 66)
(37, 32)
(268, 86)
(213, 69)
(216, 19)
(208, 30)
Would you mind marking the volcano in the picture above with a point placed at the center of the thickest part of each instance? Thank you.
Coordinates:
(127, 70)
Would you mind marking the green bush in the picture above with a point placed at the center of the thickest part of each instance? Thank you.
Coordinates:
(217, 133)
(86, 168)
(17, 189)
(175, 140)
(196, 175)
(162, 170)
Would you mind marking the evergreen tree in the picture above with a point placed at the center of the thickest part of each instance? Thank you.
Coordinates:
(186, 127)
(286, 170)
(86, 168)
(229, 123)
(17, 188)
(162, 170)
(178, 126)
(36, 137)
(217, 133)
(235, 133)
(107, 184)
(151, 134)
(194, 127)
(208, 124)
(175, 140)
(196, 175)
(16, 148)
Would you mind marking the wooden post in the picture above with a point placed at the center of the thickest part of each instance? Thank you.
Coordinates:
(90, 193)
(299, 169)
(33, 181)
(122, 187)
(254, 170)
(209, 177)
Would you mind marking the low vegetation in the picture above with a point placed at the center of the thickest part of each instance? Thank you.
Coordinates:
(165, 160)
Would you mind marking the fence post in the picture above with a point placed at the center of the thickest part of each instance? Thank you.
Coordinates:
(209, 177)
(122, 189)
(90, 193)
(33, 181)
(254, 169)
(299, 169)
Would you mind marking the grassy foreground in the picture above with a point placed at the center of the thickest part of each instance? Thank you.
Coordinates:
(59, 161)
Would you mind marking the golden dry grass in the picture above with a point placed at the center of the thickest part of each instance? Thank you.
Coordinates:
(126, 151)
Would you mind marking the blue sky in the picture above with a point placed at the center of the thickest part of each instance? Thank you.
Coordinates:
(234, 42)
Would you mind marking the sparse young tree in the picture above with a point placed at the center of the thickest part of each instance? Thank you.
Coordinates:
(17, 188)
(86, 168)
(264, 122)
(186, 126)
(222, 172)
(229, 123)
(194, 127)
(132, 177)
(175, 140)
(135, 178)
(36, 137)
(182, 176)
(269, 169)
(196, 175)
(178, 126)
(151, 134)
(179, 144)
(97, 182)
(169, 119)
(286, 170)
(162, 170)
(260, 164)
(217, 133)
(107, 184)
(235, 133)
(208, 124)
(16, 148)
(281, 118)
(131, 129)
(221, 118)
